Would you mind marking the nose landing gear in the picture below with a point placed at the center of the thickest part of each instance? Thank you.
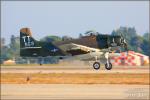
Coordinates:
(108, 65)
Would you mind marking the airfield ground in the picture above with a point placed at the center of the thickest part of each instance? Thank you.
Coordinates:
(61, 74)
(75, 78)
(73, 91)
(74, 82)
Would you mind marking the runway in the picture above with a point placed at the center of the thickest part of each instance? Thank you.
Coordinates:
(73, 91)
(76, 71)
(131, 85)
(73, 69)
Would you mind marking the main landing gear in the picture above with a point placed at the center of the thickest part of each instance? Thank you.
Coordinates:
(96, 66)
(108, 65)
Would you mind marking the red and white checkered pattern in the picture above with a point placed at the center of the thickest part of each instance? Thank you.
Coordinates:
(132, 59)
(144, 59)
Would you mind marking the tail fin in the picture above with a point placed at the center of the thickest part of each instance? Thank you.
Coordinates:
(26, 39)
(28, 45)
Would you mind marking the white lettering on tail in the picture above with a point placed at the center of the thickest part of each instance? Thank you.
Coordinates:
(27, 41)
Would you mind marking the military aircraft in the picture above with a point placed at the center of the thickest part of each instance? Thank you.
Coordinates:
(93, 47)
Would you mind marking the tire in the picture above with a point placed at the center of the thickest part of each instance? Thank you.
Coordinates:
(96, 65)
(108, 67)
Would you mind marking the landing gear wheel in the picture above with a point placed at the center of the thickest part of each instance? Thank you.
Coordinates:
(108, 66)
(96, 65)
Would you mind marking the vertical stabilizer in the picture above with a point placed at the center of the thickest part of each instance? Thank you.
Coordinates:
(26, 39)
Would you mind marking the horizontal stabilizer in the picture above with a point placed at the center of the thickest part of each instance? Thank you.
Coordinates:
(31, 48)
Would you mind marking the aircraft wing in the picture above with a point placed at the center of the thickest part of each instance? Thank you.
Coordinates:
(85, 53)
(76, 49)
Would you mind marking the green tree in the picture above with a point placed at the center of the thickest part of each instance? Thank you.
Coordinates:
(12, 50)
(4, 52)
(14, 47)
(136, 43)
(146, 47)
(127, 32)
(146, 36)
(146, 44)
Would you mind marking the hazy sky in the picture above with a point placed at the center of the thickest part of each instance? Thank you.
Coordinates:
(72, 17)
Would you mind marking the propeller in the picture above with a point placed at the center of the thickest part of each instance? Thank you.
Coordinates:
(124, 44)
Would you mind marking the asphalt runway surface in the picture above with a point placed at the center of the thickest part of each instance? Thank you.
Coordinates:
(73, 69)
(73, 91)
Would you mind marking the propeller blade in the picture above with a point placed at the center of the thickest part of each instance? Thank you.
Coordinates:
(126, 48)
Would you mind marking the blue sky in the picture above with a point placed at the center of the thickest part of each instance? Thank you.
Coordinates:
(72, 17)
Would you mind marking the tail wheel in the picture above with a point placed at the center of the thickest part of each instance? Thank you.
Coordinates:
(108, 66)
(96, 65)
